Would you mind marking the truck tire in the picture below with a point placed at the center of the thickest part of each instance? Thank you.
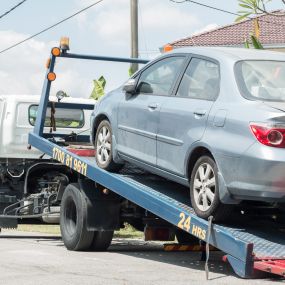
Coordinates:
(102, 240)
(73, 217)
(104, 148)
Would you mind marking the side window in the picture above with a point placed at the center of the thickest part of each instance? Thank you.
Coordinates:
(160, 77)
(64, 118)
(201, 80)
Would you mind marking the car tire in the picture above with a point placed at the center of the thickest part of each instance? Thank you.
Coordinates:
(102, 240)
(204, 191)
(104, 147)
(73, 220)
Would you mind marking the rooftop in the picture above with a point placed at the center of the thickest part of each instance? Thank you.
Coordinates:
(272, 33)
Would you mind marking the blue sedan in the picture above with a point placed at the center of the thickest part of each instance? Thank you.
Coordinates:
(209, 118)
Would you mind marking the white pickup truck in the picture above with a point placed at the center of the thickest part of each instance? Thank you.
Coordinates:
(24, 171)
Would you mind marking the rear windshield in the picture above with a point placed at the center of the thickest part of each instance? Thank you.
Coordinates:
(64, 118)
(261, 80)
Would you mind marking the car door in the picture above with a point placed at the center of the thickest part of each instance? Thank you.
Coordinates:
(183, 118)
(138, 114)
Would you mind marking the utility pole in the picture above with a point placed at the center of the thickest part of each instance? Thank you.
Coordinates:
(134, 34)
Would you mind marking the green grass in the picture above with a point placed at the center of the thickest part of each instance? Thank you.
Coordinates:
(127, 232)
(45, 229)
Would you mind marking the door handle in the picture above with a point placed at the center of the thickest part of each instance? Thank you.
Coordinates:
(200, 113)
(152, 106)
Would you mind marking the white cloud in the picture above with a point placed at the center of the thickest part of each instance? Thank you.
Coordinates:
(158, 21)
(206, 29)
(23, 68)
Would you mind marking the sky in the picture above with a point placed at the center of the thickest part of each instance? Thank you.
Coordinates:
(101, 30)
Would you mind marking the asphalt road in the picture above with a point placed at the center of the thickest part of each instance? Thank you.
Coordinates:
(31, 258)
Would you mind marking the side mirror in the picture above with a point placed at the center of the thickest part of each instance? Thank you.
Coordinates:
(130, 86)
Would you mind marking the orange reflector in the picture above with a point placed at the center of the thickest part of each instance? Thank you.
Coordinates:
(179, 247)
(55, 51)
(51, 76)
(167, 48)
(48, 63)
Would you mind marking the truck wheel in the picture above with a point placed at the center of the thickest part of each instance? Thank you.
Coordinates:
(73, 217)
(102, 240)
(104, 147)
(204, 190)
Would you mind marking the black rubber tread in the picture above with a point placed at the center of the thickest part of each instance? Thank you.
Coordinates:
(75, 236)
(219, 211)
(101, 240)
(111, 164)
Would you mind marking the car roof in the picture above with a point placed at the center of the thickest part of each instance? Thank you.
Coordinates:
(233, 54)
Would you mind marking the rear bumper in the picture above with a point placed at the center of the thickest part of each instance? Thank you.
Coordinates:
(260, 175)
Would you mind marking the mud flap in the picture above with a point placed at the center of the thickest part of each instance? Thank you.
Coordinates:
(103, 210)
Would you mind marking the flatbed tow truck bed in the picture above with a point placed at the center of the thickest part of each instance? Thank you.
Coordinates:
(252, 246)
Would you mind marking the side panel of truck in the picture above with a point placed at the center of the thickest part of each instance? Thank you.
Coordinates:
(2, 106)
(18, 124)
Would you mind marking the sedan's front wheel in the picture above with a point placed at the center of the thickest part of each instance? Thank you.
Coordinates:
(204, 190)
(104, 147)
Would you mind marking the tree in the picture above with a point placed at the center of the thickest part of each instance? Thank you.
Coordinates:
(99, 88)
(255, 8)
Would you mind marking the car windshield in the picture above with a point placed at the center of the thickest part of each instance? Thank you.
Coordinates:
(262, 80)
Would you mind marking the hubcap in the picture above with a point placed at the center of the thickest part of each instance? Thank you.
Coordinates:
(103, 147)
(204, 187)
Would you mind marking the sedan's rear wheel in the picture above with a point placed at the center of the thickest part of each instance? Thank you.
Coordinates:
(204, 190)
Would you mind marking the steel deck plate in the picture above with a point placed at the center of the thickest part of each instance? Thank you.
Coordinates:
(269, 243)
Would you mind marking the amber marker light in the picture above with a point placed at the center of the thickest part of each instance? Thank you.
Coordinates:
(64, 43)
(51, 76)
(167, 48)
(55, 51)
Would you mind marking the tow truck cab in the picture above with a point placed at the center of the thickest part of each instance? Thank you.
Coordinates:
(22, 169)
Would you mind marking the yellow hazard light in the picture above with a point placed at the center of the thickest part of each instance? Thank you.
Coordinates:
(55, 51)
(64, 43)
(167, 48)
(51, 76)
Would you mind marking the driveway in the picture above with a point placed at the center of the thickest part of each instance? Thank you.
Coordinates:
(32, 258)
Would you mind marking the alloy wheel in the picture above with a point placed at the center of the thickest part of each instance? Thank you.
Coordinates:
(104, 145)
(204, 187)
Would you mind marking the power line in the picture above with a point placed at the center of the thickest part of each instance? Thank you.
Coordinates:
(224, 11)
(207, 6)
(50, 27)
(13, 8)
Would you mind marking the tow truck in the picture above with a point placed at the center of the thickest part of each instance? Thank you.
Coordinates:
(98, 202)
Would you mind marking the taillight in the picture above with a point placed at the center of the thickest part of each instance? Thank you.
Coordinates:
(268, 134)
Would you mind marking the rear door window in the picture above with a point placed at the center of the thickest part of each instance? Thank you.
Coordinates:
(64, 118)
(201, 80)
